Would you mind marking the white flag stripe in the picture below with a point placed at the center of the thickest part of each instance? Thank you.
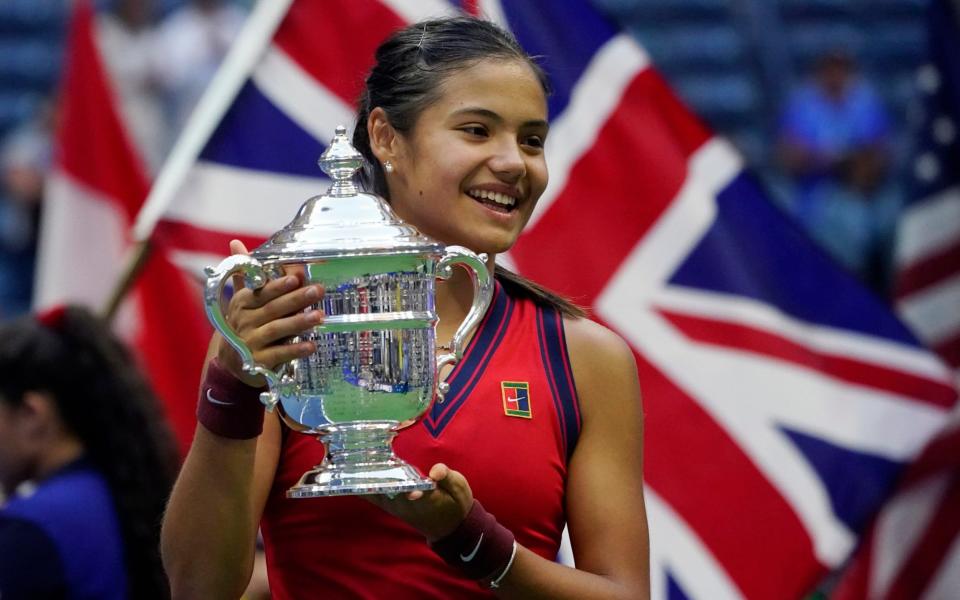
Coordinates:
(928, 227)
(493, 10)
(244, 54)
(933, 312)
(597, 94)
(819, 339)
(78, 219)
(899, 527)
(417, 10)
(676, 548)
(686, 219)
(300, 97)
(194, 263)
(229, 199)
(782, 394)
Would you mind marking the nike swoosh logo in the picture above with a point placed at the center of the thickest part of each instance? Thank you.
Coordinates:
(210, 398)
(469, 557)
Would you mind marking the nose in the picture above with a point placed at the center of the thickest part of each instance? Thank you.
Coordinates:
(508, 162)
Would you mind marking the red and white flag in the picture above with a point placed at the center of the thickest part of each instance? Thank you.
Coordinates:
(95, 191)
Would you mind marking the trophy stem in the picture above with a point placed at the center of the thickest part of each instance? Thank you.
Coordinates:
(359, 460)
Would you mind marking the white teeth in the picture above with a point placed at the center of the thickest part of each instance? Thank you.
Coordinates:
(495, 196)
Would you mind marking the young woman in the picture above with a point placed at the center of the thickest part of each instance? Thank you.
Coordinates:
(85, 462)
(453, 121)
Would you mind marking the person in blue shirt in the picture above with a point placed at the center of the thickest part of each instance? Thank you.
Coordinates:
(834, 141)
(85, 462)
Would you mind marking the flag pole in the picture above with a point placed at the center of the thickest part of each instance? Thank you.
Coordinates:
(136, 258)
(240, 61)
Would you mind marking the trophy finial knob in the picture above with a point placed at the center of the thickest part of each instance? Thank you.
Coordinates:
(341, 161)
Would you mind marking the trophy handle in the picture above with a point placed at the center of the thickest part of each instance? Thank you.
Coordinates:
(255, 278)
(476, 266)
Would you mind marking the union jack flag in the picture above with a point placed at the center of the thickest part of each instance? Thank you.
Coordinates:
(781, 398)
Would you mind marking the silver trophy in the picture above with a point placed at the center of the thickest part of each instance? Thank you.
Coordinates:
(375, 370)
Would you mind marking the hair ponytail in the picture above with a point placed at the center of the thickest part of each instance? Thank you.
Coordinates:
(536, 292)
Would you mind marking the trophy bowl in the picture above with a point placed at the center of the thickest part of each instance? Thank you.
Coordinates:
(375, 369)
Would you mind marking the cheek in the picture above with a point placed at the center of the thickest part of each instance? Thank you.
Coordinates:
(538, 177)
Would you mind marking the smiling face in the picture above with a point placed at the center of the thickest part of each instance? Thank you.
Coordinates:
(472, 168)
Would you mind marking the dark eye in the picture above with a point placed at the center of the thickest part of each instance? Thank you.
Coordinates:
(475, 130)
(534, 141)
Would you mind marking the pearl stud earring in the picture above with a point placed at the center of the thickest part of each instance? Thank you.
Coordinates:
(388, 167)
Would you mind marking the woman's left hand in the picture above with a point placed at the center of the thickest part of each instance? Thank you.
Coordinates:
(435, 513)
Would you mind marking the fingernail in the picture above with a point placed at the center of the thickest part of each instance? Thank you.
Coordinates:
(315, 316)
(289, 283)
(312, 293)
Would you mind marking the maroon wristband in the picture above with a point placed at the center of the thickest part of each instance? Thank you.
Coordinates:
(480, 547)
(228, 407)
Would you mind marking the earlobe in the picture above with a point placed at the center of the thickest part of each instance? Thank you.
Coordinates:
(38, 411)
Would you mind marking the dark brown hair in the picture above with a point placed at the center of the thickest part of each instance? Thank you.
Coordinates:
(407, 77)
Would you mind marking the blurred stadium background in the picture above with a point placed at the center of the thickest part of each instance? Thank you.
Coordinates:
(732, 61)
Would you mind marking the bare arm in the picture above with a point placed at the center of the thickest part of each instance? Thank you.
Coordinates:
(605, 508)
(210, 527)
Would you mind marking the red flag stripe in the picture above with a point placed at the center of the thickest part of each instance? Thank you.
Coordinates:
(90, 127)
(184, 236)
(359, 25)
(732, 335)
(173, 360)
(679, 433)
(925, 559)
(940, 456)
(949, 349)
(605, 196)
(471, 7)
(933, 269)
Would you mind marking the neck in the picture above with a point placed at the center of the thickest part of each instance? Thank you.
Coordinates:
(59, 454)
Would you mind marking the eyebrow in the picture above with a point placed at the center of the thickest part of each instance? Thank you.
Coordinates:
(486, 112)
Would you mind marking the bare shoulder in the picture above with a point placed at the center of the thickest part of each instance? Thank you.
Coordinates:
(594, 347)
(603, 363)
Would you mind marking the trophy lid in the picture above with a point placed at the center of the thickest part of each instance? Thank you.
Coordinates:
(345, 221)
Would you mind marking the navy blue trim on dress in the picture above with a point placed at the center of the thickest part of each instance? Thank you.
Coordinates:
(553, 353)
(467, 373)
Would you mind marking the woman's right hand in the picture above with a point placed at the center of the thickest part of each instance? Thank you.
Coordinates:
(264, 318)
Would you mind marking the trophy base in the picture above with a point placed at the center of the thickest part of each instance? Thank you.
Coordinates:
(360, 460)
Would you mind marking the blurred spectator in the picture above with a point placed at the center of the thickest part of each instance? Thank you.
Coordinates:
(86, 459)
(191, 44)
(834, 141)
(127, 38)
(25, 157)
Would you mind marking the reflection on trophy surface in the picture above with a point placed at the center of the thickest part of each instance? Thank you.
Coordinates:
(375, 369)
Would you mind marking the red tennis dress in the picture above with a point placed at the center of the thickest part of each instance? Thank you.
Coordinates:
(509, 424)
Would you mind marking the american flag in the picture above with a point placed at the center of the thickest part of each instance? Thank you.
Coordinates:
(913, 547)
(928, 250)
(782, 400)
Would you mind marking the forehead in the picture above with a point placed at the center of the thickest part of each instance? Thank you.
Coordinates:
(507, 87)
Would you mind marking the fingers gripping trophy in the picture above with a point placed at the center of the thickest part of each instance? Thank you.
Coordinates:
(375, 369)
